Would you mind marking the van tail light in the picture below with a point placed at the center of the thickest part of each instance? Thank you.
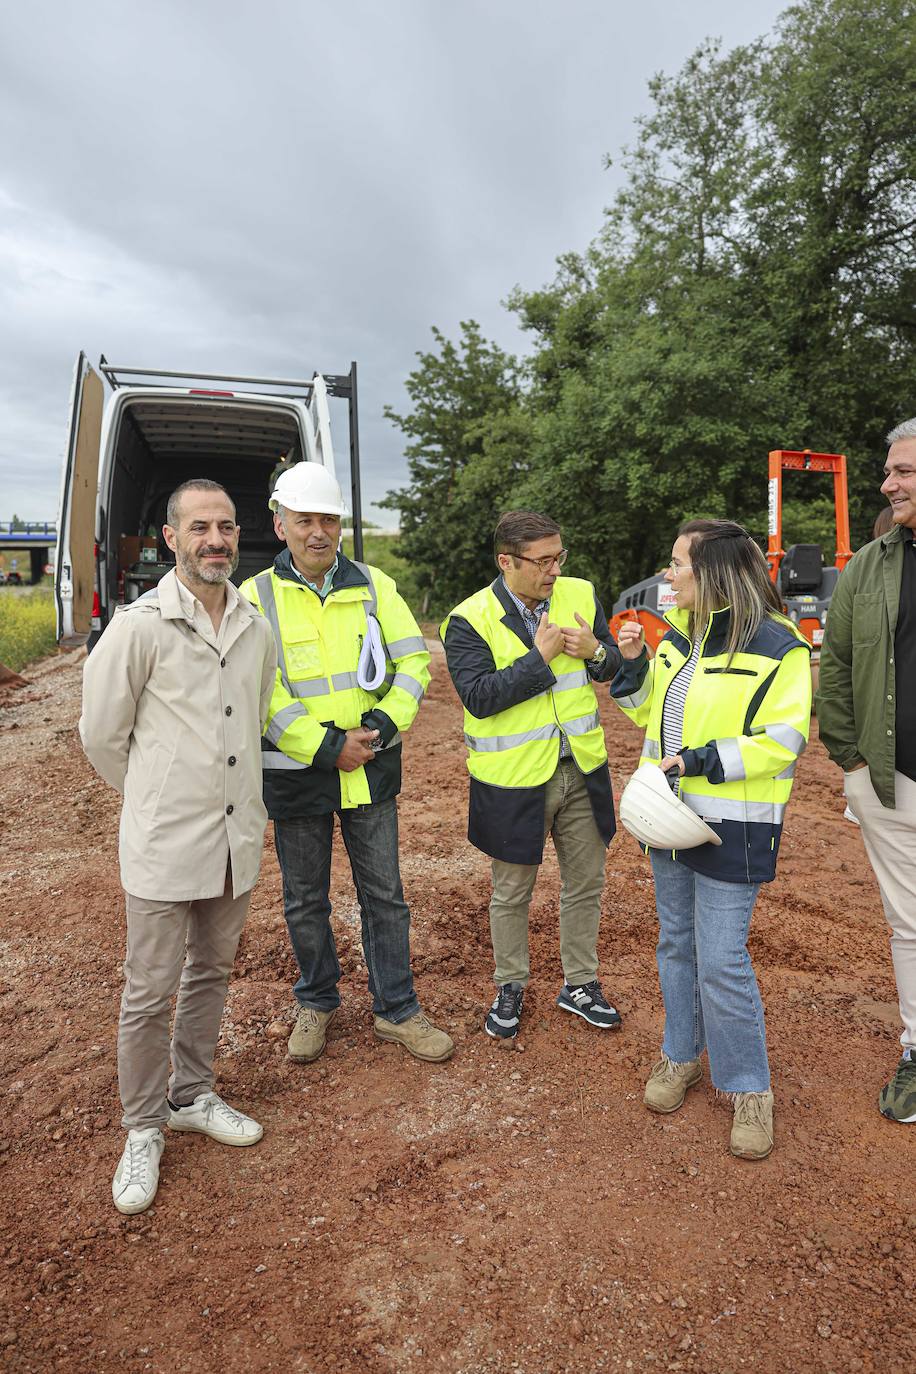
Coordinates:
(201, 392)
(96, 599)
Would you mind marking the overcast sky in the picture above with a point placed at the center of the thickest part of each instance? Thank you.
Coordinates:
(279, 186)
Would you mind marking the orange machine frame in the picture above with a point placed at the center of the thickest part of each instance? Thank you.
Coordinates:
(794, 460)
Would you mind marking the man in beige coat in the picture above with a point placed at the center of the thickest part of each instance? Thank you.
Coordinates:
(175, 696)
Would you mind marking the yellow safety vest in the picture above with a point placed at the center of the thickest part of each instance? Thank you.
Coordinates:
(520, 747)
(755, 708)
(318, 646)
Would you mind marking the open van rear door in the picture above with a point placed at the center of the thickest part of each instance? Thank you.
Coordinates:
(319, 441)
(74, 577)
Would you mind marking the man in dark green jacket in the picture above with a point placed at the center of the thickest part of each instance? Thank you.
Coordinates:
(866, 707)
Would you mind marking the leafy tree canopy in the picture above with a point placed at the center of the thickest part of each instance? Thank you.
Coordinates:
(753, 287)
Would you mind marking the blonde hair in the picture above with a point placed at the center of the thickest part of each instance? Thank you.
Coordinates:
(729, 570)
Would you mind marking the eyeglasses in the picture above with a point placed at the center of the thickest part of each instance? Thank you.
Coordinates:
(677, 567)
(545, 564)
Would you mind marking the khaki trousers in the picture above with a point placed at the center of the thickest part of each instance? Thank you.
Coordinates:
(581, 851)
(185, 946)
(890, 842)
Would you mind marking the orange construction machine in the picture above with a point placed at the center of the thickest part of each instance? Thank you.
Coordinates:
(803, 579)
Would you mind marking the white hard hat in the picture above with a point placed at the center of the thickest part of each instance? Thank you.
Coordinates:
(657, 817)
(308, 487)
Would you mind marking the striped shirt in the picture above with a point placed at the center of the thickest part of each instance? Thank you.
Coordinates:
(673, 709)
(531, 621)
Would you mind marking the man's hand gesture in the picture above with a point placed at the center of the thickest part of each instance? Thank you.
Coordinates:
(356, 750)
(549, 639)
(579, 642)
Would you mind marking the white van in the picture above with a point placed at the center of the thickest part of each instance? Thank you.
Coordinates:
(127, 452)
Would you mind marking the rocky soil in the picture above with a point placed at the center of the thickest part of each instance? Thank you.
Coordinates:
(516, 1209)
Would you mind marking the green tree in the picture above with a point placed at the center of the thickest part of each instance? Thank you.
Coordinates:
(753, 287)
(466, 446)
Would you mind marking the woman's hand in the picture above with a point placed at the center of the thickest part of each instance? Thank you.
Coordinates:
(630, 639)
(672, 761)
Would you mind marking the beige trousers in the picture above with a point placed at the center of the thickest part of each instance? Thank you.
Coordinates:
(581, 851)
(890, 842)
(185, 946)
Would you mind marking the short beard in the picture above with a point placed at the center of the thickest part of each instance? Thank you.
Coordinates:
(195, 570)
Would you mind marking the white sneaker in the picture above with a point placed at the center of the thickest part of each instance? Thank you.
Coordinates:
(136, 1179)
(210, 1115)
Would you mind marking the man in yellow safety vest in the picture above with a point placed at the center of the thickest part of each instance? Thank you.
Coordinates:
(351, 676)
(524, 654)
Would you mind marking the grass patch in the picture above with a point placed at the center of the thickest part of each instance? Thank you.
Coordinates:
(28, 627)
(378, 549)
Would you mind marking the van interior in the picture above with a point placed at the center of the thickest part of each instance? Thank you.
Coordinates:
(164, 441)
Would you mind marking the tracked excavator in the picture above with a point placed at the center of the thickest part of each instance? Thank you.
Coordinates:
(802, 576)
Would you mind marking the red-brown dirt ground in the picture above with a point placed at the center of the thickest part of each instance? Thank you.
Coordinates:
(512, 1210)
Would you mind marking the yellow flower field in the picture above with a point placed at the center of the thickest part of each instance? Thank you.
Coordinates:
(27, 624)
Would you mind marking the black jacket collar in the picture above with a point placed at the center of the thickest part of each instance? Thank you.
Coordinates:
(347, 574)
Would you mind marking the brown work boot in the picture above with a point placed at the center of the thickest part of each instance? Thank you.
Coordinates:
(418, 1036)
(668, 1084)
(309, 1034)
(752, 1128)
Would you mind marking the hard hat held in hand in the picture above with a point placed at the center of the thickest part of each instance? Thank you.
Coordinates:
(657, 817)
(308, 487)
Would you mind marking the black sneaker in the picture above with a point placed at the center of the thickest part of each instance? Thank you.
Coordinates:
(506, 1012)
(589, 1002)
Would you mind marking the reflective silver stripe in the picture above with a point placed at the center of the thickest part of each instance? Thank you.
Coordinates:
(581, 725)
(270, 760)
(788, 772)
(342, 682)
(309, 687)
(567, 681)
(651, 749)
(495, 743)
(372, 604)
(409, 685)
(265, 589)
(788, 737)
(731, 760)
(727, 809)
(400, 648)
(283, 720)
(637, 698)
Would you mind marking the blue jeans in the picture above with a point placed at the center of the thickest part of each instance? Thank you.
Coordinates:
(370, 834)
(708, 984)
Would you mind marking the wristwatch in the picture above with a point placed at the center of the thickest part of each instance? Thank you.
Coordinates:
(598, 656)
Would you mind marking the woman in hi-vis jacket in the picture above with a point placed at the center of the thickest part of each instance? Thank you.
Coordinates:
(726, 700)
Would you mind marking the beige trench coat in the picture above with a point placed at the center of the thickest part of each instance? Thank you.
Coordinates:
(175, 725)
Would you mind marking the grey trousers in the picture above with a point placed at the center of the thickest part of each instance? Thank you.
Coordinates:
(185, 946)
(581, 851)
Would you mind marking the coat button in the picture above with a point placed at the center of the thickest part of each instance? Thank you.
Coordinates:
(229, 809)
(222, 663)
(228, 710)
(231, 760)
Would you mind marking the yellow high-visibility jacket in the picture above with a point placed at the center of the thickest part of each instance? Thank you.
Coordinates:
(317, 698)
(517, 710)
(745, 724)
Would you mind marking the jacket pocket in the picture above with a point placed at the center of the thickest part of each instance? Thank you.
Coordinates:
(303, 654)
(867, 617)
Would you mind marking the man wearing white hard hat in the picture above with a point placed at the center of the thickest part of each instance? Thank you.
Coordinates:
(353, 668)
